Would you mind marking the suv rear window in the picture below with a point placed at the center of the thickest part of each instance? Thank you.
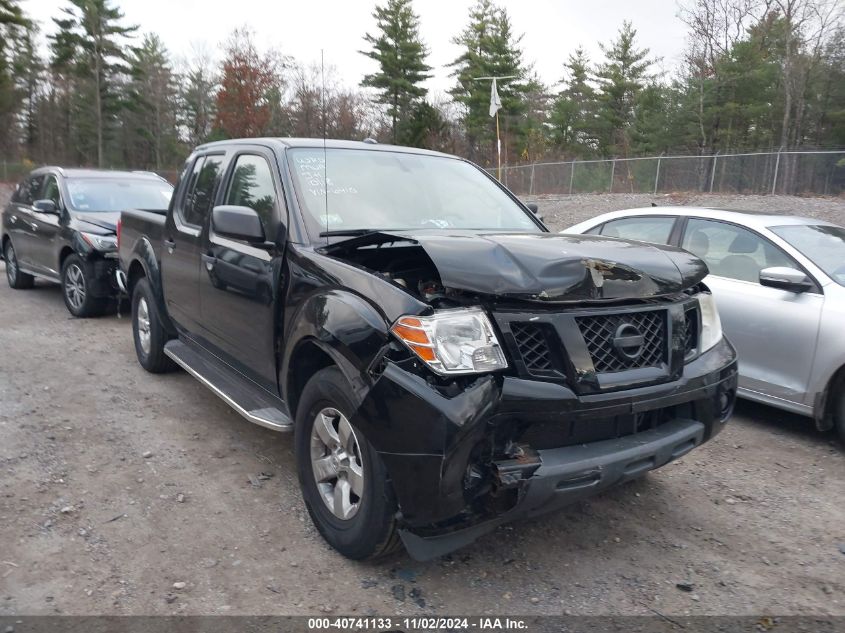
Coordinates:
(200, 194)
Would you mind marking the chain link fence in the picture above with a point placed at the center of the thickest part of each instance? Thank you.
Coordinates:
(819, 173)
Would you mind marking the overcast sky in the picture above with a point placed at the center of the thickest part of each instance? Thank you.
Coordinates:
(552, 29)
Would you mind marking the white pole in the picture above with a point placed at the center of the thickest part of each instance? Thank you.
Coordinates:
(777, 165)
(713, 172)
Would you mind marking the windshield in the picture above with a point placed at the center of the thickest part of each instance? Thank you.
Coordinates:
(113, 194)
(370, 190)
(823, 245)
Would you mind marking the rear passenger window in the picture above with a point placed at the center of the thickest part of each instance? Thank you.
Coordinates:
(200, 192)
(30, 190)
(651, 229)
(252, 186)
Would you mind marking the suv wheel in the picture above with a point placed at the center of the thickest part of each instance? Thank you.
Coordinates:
(76, 289)
(17, 279)
(839, 418)
(148, 331)
(342, 478)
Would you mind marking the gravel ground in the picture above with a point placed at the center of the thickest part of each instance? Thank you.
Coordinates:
(118, 486)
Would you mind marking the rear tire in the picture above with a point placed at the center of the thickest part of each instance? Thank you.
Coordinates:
(17, 279)
(76, 279)
(839, 418)
(353, 506)
(148, 332)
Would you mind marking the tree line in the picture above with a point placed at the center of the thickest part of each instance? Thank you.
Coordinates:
(756, 74)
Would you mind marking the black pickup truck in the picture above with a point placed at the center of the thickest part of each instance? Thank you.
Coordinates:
(445, 362)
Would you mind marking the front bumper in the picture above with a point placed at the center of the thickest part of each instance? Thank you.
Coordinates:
(103, 281)
(429, 441)
(570, 474)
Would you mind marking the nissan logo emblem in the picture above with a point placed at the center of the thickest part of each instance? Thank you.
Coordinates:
(628, 342)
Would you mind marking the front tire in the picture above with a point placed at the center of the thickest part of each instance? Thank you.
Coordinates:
(148, 331)
(76, 278)
(343, 480)
(839, 418)
(17, 279)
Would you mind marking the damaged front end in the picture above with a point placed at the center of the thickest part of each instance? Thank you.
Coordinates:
(606, 376)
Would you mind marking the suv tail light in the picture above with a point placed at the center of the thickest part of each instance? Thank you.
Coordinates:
(119, 223)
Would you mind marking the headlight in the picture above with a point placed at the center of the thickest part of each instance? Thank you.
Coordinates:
(100, 242)
(458, 341)
(711, 325)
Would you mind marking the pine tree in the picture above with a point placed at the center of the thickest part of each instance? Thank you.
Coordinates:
(13, 24)
(401, 55)
(152, 102)
(490, 48)
(27, 70)
(573, 116)
(621, 78)
(199, 86)
(91, 47)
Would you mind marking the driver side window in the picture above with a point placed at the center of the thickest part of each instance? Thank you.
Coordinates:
(252, 186)
(51, 190)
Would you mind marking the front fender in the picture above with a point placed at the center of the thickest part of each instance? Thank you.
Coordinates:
(345, 326)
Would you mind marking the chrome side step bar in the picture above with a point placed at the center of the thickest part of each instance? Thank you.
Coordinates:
(249, 400)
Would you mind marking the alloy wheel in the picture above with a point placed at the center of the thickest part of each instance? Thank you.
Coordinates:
(144, 325)
(75, 286)
(336, 463)
(11, 265)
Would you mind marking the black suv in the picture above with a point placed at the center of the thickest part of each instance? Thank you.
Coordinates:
(60, 226)
(445, 363)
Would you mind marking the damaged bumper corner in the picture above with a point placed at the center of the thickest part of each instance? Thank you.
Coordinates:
(459, 469)
(570, 474)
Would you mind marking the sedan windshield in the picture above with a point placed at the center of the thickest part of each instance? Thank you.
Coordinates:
(372, 190)
(116, 194)
(823, 245)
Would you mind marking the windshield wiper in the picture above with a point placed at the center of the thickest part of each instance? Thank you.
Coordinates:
(349, 232)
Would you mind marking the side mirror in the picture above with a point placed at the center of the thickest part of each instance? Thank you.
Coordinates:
(45, 206)
(785, 278)
(239, 223)
(533, 207)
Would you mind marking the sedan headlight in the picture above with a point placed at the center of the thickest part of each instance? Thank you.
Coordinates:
(711, 325)
(100, 242)
(458, 341)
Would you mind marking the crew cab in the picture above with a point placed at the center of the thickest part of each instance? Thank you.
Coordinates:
(446, 364)
(60, 226)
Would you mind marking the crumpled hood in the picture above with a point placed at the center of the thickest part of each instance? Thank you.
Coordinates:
(103, 219)
(550, 266)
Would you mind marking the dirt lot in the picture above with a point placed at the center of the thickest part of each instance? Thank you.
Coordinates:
(754, 522)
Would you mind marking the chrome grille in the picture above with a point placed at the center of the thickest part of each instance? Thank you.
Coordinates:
(600, 330)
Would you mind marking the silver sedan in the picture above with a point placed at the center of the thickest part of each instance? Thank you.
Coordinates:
(779, 282)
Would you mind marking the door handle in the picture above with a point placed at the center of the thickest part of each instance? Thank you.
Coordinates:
(34, 226)
(13, 219)
(209, 261)
(169, 245)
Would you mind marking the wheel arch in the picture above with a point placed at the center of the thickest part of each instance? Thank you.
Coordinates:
(825, 406)
(336, 326)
